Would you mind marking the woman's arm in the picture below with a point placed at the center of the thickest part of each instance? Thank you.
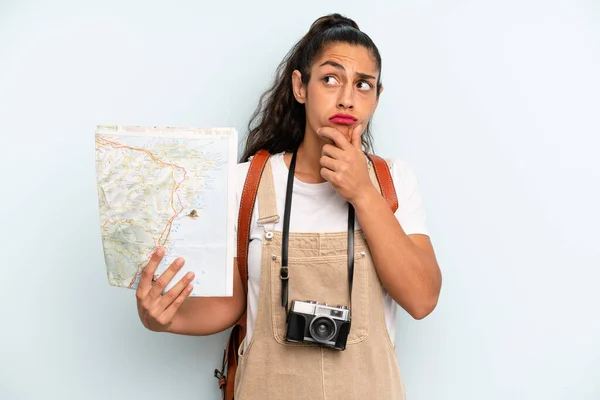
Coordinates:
(208, 315)
(406, 264)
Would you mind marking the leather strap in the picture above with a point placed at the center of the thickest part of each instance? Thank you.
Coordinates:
(237, 334)
(245, 216)
(384, 177)
(230, 361)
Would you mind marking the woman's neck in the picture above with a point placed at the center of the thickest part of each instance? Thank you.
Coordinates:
(308, 164)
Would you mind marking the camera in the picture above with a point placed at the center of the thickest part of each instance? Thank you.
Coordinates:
(317, 323)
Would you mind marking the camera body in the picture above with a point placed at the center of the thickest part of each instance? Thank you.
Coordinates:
(317, 323)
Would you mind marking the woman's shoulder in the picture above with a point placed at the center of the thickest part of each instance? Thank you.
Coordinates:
(399, 168)
(243, 168)
(241, 171)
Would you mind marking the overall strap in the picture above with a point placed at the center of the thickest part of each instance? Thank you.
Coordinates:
(267, 202)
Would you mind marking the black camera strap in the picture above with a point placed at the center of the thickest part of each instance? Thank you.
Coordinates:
(284, 272)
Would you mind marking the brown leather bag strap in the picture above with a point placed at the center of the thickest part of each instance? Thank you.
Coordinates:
(237, 334)
(384, 177)
(227, 382)
(257, 165)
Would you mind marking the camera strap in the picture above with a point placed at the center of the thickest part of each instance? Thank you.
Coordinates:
(284, 272)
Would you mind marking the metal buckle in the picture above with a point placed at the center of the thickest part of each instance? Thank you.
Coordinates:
(284, 273)
(272, 219)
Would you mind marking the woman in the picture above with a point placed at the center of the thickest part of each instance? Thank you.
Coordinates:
(314, 122)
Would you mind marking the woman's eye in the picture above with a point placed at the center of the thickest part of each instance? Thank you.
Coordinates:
(364, 85)
(330, 80)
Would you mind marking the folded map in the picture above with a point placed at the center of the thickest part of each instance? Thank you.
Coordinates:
(169, 187)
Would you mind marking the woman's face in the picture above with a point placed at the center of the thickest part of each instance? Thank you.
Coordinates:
(342, 91)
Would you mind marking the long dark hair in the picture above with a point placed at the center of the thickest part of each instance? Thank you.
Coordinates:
(279, 121)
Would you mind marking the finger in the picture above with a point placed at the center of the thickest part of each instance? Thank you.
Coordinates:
(356, 136)
(170, 312)
(176, 290)
(329, 163)
(332, 151)
(334, 135)
(145, 283)
(328, 175)
(165, 278)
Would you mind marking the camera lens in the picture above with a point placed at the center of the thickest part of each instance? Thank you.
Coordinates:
(322, 329)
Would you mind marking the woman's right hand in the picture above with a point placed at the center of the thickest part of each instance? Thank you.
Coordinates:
(156, 310)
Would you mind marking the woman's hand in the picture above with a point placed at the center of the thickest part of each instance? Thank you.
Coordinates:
(156, 310)
(344, 164)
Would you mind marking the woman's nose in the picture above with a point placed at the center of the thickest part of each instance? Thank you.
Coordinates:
(346, 100)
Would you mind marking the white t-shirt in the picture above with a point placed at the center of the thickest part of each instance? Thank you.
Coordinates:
(318, 208)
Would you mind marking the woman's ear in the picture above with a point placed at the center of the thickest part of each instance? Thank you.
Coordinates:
(298, 87)
(380, 90)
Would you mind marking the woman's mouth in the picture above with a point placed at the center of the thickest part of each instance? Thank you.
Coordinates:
(343, 119)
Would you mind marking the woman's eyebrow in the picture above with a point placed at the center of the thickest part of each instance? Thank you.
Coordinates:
(361, 75)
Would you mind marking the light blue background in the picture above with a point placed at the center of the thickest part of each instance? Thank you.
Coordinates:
(495, 104)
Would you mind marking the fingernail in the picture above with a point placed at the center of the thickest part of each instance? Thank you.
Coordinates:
(180, 262)
(160, 252)
(190, 275)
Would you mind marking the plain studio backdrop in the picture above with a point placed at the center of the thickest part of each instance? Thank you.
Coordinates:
(495, 105)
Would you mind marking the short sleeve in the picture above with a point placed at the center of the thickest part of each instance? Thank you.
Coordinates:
(235, 223)
(410, 213)
(241, 172)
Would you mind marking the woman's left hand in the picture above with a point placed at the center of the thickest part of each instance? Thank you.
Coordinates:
(344, 164)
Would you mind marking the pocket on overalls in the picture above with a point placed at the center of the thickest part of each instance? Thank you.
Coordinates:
(325, 280)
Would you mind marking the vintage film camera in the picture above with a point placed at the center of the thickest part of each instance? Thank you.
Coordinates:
(317, 323)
